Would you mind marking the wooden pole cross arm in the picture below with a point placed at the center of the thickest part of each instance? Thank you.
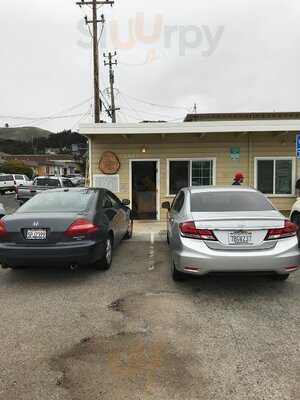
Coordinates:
(90, 3)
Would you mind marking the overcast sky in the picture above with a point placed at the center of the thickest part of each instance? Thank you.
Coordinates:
(225, 56)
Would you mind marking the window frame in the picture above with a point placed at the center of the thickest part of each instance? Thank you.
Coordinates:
(278, 158)
(190, 160)
(114, 198)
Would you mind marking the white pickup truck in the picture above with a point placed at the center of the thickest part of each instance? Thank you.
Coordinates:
(7, 183)
(40, 184)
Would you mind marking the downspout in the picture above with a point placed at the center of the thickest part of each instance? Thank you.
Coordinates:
(88, 168)
(250, 180)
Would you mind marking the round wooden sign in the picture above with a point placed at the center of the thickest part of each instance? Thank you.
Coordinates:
(109, 163)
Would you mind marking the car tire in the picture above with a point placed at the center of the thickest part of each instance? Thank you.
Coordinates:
(296, 219)
(177, 275)
(168, 239)
(281, 277)
(105, 262)
(129, 232)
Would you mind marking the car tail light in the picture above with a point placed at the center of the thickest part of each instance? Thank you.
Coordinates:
(188, 229)
(81, 227)
(3, 230)
(288, 230)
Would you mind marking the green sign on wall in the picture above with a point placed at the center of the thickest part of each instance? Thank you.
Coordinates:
(235, 153)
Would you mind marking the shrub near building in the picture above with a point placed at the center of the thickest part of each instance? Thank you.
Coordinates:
(16, 167)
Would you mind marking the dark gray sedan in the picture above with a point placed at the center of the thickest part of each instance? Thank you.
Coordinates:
(68, 227)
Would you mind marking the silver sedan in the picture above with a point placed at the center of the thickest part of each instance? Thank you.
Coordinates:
(229, 229)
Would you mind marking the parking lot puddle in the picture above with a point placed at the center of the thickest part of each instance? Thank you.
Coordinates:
(144, 360)
(126, 366)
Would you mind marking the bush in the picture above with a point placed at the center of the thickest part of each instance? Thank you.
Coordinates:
(16, 167)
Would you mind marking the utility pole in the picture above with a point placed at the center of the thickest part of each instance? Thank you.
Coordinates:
(110, 63)
(94, 22)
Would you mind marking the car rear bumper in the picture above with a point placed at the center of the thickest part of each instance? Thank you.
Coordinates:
(195, 257)
(83, 253)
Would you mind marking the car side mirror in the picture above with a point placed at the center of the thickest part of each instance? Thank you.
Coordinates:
(166, 205)
(125, 202)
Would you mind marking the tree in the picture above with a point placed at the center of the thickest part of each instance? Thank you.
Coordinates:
(16, 167)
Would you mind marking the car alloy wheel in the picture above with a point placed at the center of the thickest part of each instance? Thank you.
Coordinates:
(108, 251)
(105, 263)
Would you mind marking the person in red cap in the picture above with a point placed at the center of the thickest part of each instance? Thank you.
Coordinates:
(238, 178)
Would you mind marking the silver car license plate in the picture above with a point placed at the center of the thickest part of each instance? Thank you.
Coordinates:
(240, 238)
(36, 234)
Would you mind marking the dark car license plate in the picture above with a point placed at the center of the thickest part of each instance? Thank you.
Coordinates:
(36, 234)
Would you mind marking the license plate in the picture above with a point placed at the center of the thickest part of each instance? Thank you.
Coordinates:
(240, 238)
(36, 234)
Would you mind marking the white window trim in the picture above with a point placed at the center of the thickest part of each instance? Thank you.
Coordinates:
(272, 195)
(213, 159)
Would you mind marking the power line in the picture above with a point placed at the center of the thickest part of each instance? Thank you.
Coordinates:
(57, 115)
(41, 118)
(82, 118)
(136, 112)
(155, 104)
(34, 122)
(140, 113)
(131, 116)
(106, 104)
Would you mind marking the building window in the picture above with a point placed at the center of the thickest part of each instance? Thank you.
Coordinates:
(184, 173)
(275, 176)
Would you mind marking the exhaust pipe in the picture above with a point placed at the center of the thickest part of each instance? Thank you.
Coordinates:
(73, 267)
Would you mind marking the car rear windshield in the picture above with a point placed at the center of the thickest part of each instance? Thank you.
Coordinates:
(229, 201)
(53, 201)
(4, 178)
(48, 182)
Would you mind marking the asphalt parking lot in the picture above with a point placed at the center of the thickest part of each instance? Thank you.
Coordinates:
(132, 333)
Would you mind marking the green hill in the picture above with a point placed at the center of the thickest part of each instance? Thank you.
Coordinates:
(24, 134)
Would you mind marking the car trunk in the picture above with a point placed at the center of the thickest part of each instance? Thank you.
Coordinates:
(55, 225)
(234, 230)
